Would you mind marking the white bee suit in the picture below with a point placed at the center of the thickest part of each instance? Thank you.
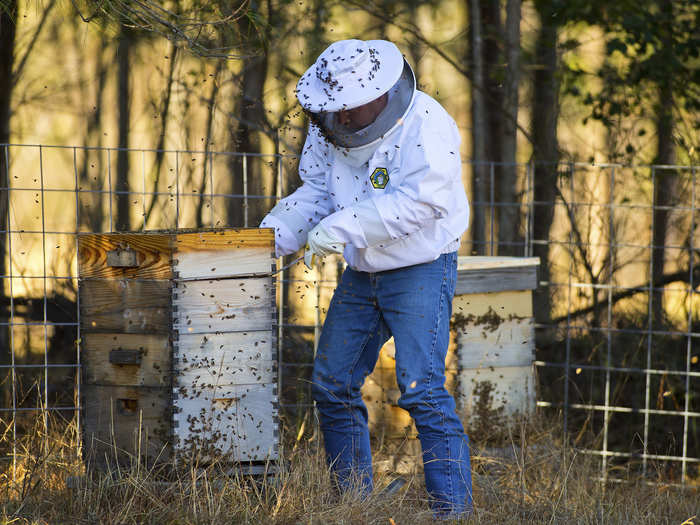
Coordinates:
(382, 181)
(417, 214)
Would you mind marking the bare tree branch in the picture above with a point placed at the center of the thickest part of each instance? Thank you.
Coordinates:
(681, 275)
(44, 16)
(198, 33)
(377, 12)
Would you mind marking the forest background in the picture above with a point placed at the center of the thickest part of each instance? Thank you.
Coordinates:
(545, 81)
(538, 86)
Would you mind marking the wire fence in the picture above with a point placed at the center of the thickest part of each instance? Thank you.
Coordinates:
(616, 310)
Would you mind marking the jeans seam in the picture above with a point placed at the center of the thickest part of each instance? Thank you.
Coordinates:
(447, 464)
(348, 384)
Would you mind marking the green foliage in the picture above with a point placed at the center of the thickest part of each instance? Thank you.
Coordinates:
(650, 47)
(9, 8)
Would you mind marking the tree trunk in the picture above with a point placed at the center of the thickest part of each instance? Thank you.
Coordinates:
(164, 114)
(211, 104)
(479, 133)
(316, 41)
(91, 211)
(251, 121)
(8, 18)
(510, 239)
(123, 221)
(545, 113)
(665, 180)
(493, 76)
(251, 114)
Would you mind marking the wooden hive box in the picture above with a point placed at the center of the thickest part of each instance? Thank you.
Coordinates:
(178, 347)
(491, 355)
(494, 335)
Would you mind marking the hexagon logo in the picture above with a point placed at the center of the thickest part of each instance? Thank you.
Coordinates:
(379, 178)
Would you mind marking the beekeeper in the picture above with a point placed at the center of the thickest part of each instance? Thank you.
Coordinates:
(382, 185)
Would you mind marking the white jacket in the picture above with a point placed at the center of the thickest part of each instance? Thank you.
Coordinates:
(417, 214)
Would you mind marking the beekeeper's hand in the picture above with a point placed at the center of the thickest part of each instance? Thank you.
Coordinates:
(320, 243)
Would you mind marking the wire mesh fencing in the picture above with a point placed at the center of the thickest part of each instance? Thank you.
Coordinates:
(616, 309)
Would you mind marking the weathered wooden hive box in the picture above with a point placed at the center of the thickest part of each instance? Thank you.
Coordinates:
(494, 334)
(489, 365)
(177, 344)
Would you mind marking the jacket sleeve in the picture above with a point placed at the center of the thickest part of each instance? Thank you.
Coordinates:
(296, 214)
(426, 187)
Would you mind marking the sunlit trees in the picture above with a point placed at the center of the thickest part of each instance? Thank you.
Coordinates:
(232, 67)
(8, 17)
(649, 101)
(494, 74)
(545, 144)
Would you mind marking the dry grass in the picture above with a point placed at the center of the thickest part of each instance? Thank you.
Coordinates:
(530, 478)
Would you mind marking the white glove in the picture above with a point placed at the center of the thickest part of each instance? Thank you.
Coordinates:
(320, 243)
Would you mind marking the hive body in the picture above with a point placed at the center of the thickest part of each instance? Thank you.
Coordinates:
(489, 365)
(178, 346)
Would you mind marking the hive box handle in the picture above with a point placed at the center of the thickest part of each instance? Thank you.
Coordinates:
(127, 406)
(123, 356)
(122, 258)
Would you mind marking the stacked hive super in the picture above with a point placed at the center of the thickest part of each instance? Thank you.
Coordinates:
(178, 346)
(489, 365)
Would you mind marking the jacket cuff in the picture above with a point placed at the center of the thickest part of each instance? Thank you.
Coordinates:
(295, 222)
(285, 240)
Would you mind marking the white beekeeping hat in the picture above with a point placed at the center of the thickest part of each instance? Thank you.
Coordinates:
(348, 74)
(351, 73)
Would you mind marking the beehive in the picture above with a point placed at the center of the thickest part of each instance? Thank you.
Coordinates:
(494, 334)
(177, 345)
(491, 354)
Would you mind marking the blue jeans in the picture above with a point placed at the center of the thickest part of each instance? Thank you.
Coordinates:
(414, 304)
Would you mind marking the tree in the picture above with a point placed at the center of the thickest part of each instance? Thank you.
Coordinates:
(651, 75)
(480, 131)
(8, 16)
(545, 114)
(124, 50)
(11, 68)
(509, 216)
(208, 29)
(495, 76)
(91, 213)
(250, 119)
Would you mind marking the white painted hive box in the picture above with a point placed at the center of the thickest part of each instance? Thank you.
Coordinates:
(489, 363)
(198, 308)
(494, 332)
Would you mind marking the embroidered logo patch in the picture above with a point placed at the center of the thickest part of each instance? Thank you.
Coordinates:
(379, 178)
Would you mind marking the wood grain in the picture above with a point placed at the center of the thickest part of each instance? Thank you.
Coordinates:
(511, 343)
(226, 240)
(227, 305)
(513, 388)
(191, 344)
(502, 304)
(223, 263)
(246, 346)
(116, 417)
(154, 252)
(481, 262)
(236, 358)
(154, 369)
(240, 421)
(126, 306)
(496, 279)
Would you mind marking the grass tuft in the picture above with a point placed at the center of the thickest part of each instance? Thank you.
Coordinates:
(529, 475)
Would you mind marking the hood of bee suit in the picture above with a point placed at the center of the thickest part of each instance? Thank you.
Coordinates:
(351, 73)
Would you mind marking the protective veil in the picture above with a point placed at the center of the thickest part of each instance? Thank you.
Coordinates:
(391, 192)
